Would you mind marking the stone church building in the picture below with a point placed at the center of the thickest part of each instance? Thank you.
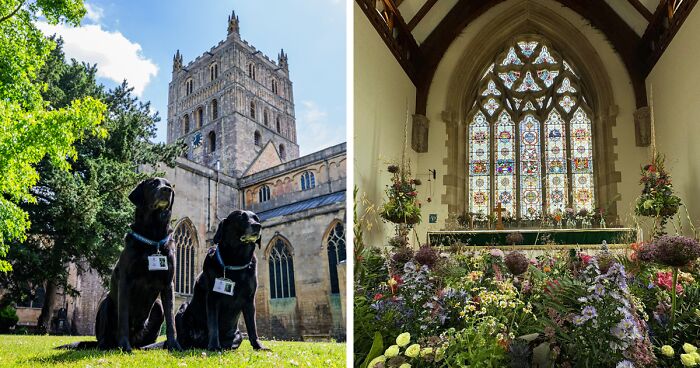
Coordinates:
(233, 108)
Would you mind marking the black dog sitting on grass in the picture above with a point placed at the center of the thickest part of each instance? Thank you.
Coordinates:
(225, 288)
(131, 315)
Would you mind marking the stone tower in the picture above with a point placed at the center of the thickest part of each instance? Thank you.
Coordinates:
(231, 102)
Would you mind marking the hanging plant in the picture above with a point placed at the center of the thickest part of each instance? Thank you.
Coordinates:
(402, 206)
(657, 199)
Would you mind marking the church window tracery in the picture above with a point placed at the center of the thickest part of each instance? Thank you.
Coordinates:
(529, 135)
(281, 265)
(335, 242)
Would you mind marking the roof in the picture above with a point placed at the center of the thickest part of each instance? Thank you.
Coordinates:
(304, 205)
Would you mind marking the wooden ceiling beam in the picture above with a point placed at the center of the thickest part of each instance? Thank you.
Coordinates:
(598, 12)
(393, 30)
(420, 14)
(667, 20)
(648, 15)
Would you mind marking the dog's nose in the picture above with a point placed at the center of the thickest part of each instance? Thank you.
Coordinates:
(166, 189)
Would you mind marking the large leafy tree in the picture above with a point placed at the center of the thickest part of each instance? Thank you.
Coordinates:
(30, 130)
(82, 214)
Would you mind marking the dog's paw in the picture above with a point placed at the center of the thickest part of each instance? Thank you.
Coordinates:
(214, 347)
(257, 345)
(173, 345)
(124, 346)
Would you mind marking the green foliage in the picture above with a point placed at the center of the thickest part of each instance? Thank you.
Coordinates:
(29, 129)
(37, 351)
(84, 212)
(376, 350)
(8, 318)
(475, 346)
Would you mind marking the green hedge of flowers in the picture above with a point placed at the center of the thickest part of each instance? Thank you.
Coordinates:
(489, 308)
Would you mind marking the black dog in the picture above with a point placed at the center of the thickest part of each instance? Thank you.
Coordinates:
(131, 315)
(210, 320)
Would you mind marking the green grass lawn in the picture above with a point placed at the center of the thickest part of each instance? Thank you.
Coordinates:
(38, 351)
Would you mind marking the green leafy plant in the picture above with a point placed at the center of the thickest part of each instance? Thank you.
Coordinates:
(8, 318)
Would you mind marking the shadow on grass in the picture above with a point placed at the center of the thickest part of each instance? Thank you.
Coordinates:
(72, 356)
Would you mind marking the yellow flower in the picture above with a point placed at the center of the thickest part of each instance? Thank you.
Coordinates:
(696, 355)
(391, 282)
(405, 365)
(403, 339)
(377, 360)
(667, 351)
(426, 351)
(697, 312)
(689, 348)
(688, 360)
(546, 269)
(412, 351)
(392, 351)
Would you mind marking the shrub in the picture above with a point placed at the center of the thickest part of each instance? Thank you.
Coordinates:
(8, 318)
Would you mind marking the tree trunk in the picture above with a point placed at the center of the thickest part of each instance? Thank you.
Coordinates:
(44, 322)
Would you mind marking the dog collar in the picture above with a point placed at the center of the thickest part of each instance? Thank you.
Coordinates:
(157, 244)
(229, 268)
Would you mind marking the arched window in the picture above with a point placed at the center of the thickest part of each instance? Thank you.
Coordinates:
(189, 86)
(186, 243)
(529, 135)
(213, 71)
(265, 120)
(186, 124)
(335, 243)
(283, 154)
(252, 110)
(308, 181)
(264, 194)
(200, 117)
(212, 141)
(274, 86)
(279, 125)
(258, 139)
(281, 266)
(251, 71)
(214, 109)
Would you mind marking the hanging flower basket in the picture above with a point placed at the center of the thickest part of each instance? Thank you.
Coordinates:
(402, 206)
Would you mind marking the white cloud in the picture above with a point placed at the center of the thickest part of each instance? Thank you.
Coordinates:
(117, 57)
(314, 132)
(94, 13)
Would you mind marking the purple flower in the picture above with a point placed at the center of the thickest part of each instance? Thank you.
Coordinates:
(625, 364)
(589, 312)
(676, 251)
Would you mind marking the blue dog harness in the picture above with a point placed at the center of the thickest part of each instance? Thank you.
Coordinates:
(157, 244)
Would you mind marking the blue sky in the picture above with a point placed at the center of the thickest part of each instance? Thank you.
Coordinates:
(136, 40)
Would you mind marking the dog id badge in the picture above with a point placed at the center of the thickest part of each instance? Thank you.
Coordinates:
(224, 286)
(157, 262)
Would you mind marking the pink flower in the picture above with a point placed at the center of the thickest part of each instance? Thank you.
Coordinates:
(585, 258)
(665, 280)
(378, 296)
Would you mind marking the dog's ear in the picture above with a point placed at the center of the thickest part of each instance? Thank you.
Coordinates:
(259, 241)
(220, 232)
(136, 195)
(172, 200)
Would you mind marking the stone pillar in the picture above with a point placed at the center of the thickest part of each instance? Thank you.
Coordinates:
(419, 133)
(342, 272)
(642, 126)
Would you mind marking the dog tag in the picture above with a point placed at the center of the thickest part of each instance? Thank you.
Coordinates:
(157, 263)
(224, 286)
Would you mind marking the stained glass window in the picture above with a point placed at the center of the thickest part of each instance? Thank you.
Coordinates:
(479, 164)
(529, 134)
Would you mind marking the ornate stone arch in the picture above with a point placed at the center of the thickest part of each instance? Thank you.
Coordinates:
(536, 19)
(334, 243)
(186, 245)
(279, 254)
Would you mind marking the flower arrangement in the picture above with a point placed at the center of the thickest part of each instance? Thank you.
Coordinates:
(486, 307)
(657, 199)
(402, 206)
